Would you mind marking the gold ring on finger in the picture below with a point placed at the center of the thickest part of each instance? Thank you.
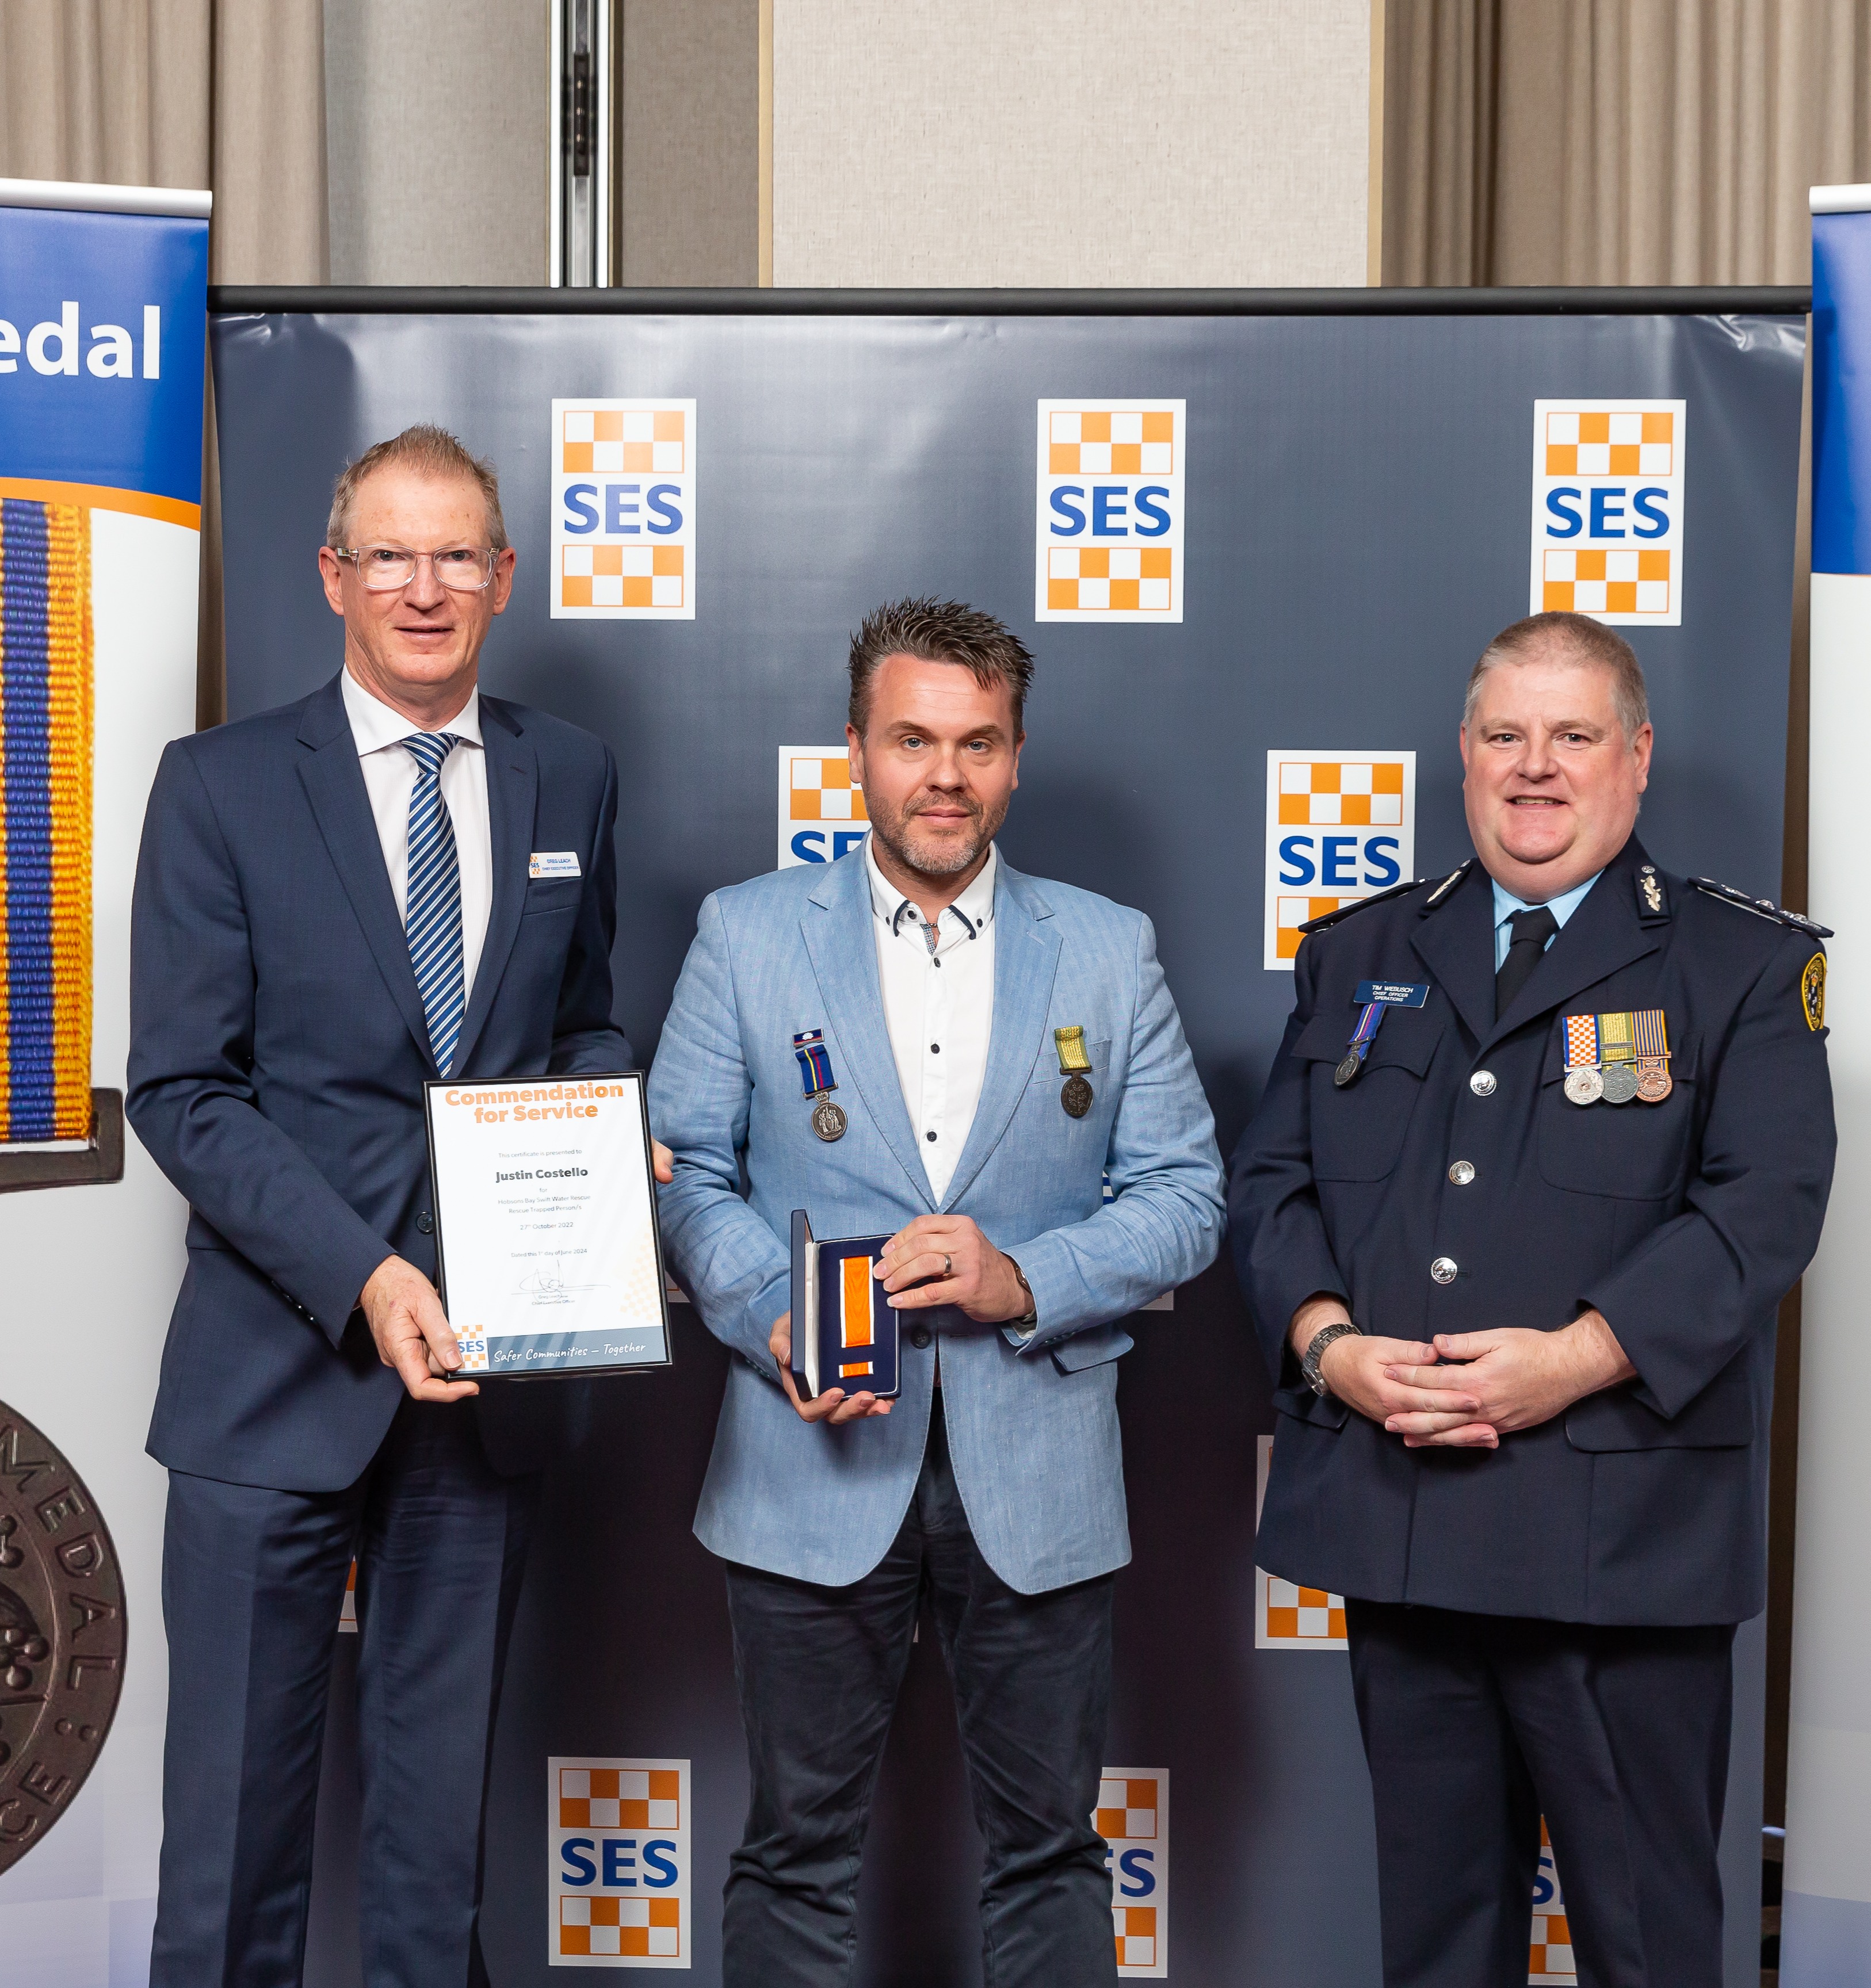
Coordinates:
(948, 1265)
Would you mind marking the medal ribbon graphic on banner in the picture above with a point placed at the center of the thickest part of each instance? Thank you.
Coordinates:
(46, 698)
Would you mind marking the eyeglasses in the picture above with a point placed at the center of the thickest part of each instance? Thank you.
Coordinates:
(385, 569)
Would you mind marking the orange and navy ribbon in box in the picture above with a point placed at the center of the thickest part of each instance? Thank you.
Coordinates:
(46, 731)
(857, 1332)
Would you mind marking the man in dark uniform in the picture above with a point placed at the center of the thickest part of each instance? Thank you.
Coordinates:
(1544, 1147)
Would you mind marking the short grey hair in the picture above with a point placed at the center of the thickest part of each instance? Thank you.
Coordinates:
(429, 451)
(1568, 638)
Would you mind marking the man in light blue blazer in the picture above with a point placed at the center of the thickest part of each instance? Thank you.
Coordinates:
(974, 1130)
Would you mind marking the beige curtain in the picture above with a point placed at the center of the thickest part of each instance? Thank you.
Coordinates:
(1617, 141)
(228, 94)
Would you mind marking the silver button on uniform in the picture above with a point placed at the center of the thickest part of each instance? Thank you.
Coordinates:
(1482, 1083)
(1443, 1269)
(1462, 1172)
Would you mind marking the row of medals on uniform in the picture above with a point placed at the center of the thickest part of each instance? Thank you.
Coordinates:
(1612, 1082)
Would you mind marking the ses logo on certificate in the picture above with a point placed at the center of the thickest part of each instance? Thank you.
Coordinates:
(546, 1225)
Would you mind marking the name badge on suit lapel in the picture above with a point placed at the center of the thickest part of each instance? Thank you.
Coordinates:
(828, 1119)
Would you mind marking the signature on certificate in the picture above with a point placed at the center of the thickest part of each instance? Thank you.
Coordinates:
(552, 1285)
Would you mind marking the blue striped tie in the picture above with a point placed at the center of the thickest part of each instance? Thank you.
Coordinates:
(433, 921)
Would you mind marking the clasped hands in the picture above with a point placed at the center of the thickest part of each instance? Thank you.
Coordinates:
(1495, 1382)
(961, 1268)
(412, 1330)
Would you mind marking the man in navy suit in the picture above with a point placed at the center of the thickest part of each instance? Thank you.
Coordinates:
(1544, 1147)
(334, 903)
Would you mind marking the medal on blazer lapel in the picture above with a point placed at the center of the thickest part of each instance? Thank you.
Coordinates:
(1075, 1093)
(828, 1119)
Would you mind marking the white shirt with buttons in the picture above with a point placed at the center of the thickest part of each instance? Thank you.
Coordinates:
(938, 1007)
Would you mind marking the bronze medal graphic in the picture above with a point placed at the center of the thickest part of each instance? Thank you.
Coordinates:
(1075, 1095)
(62, 1634)
(1348, 1067)
(828, 1120)
(1655, 1084)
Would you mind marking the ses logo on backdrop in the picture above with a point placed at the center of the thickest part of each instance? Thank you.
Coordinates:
(821, 808)
(618, 1873)
(1132, 1816)
(1110, 545)
(1340, 825)
(624, 510)
(1608, 510)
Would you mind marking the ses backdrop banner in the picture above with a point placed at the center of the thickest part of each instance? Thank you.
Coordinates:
(1254, 557)
(103, 323)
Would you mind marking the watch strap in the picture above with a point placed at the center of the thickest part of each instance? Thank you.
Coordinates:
(1315, 1349)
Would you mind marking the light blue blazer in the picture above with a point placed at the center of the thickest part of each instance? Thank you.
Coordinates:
(1032, 1425)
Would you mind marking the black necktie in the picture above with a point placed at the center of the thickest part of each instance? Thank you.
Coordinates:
(1531, 931)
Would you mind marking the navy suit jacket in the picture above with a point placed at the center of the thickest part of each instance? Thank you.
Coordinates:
(1684, 1222)
(277, 1053)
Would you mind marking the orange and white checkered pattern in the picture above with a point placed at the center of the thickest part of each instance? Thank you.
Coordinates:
(822, 789)
(1125, 442)
(613, 575)
(1290, 913)
(1135, 1929)
(1610, 442)
(1124, 579)
(1582, 1044)
(652, 440)
(1550, 1960)
(1296, 1614)
(1126, 1809)
(620, 1798)
(1360, 793)
(630, 1928)
(1606, 580)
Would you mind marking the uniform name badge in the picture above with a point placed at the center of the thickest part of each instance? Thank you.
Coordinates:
(1371, 997)
(828, 1119)
(1618, 1057)
(1075, 1093)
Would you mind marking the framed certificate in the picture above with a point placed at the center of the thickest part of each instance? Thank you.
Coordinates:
(546, 1239)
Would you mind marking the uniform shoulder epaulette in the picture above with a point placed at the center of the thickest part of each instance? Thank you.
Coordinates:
(1357, 905)
(1762, 908)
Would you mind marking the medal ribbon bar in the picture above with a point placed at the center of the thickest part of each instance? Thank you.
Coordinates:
(814, 1063)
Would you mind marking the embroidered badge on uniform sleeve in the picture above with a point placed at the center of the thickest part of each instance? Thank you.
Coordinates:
(1813, 992)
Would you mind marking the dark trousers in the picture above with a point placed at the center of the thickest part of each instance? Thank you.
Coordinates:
(1476, 1725)
(819, 1669)
(253, 1582)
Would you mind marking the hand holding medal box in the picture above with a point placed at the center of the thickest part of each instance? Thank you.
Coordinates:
(845, 1335)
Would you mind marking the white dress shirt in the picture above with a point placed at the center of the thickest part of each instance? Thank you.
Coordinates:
(938, 1007)
(390, 779)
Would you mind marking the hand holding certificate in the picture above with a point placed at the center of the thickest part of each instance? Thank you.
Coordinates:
(546, 1225)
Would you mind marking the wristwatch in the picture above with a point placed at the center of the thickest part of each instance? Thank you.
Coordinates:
(1031, 1318)
(1315, 1346)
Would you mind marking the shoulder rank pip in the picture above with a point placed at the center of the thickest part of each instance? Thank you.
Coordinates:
(1762, 908)
(1344, 911)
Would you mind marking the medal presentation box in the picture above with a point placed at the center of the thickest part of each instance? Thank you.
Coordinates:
(844, 1333)
(546, 1248)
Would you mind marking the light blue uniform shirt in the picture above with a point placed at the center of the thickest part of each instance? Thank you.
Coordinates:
(1562, 908)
